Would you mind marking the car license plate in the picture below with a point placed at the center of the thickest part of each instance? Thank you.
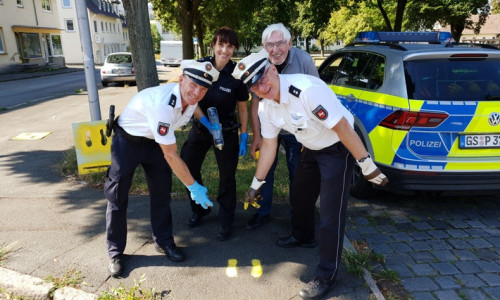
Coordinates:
(468, 141)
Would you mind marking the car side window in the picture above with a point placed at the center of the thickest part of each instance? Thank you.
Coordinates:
(378, 70)
(329, 73)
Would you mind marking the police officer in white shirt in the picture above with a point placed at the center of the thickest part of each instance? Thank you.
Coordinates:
(144, 134)
(305, 106)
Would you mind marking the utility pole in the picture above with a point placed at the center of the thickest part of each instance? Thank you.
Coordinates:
(88, 59)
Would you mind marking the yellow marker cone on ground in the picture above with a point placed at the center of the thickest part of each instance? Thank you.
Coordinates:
(256, 268)
(232, 270)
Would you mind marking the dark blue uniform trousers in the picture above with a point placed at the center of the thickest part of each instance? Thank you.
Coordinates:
(327, 173)
(193, 152)
(126, 155)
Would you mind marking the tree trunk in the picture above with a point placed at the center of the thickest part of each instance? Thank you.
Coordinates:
(456, 30)
(400, 10)
(188, 9)
(141, 43)
(199, 36)
(307, 45)
(384, 15)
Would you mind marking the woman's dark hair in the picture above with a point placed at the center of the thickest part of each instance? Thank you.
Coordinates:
(226, 35)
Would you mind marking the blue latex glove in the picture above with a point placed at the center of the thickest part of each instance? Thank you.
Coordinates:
(199, 195)
(243, 144)
(211, 127)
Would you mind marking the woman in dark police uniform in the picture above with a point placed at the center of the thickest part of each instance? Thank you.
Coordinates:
(225, 94)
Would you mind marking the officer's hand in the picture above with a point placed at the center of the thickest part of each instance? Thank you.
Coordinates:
(199, 195)
(253, 194)
(211, 127)
(243, 144)
(256, 144)
(371, 172)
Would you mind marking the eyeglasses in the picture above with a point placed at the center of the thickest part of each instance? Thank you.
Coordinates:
(279, 44)
(262, 80)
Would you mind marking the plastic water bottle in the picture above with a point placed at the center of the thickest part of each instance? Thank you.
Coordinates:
(213, 116)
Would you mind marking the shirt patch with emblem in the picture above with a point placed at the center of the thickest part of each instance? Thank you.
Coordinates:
(163, 128)
(320, 112)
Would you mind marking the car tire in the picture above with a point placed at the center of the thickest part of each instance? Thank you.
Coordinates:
(360, 187)
(104, 83)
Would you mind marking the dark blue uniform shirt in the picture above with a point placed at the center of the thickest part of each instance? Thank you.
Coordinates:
(224, 93)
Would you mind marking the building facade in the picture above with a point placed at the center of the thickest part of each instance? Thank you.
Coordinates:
(46, 32)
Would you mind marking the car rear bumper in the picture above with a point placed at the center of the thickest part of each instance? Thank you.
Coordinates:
(409, 180)
(118, 78)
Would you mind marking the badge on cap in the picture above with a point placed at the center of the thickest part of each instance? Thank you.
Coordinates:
(241, 66)
(320, 112)
(208, 67)
(163, 128)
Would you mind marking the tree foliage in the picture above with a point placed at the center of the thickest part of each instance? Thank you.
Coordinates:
(156, 37)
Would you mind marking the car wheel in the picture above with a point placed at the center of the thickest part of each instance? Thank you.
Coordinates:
(104, 83)
(360, 187)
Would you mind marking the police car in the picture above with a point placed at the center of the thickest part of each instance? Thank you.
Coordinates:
(427, 109)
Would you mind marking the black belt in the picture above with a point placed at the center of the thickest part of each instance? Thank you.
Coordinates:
(137, 139)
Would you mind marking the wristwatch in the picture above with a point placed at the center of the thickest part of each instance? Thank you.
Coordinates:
(364, 158)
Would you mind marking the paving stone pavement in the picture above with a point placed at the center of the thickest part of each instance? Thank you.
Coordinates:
(443, 248)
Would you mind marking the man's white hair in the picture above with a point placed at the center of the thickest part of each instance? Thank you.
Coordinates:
(276, 27)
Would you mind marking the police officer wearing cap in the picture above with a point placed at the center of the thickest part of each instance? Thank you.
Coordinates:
(277, 41)
(305, 106)
(144, 135)
(226, 95)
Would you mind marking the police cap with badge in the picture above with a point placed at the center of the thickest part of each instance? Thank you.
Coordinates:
(251, 68)
(202, 73)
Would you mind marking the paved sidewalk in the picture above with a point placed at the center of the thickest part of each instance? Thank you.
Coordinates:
(57, 225)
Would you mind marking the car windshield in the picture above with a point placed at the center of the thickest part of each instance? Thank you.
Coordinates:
(448, 79)
(119, 59)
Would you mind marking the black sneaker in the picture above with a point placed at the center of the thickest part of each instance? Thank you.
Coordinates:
(256, 221)
(173, 253)
(316, 288)
(195, 219)
(115, 266)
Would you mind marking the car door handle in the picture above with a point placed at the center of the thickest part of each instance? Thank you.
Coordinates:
(350, 97)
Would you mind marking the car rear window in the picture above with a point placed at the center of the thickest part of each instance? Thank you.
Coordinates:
(119, 59)
(449, 79)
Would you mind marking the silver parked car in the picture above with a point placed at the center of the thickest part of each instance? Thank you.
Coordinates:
(118, 67)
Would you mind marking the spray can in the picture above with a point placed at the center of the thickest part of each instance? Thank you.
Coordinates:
(213, 116)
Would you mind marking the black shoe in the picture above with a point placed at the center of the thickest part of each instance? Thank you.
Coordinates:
(291, 242)
(224, 233)
(173, 253)
(316, 288)
(115, 266)
(195, 220)
(256, 221)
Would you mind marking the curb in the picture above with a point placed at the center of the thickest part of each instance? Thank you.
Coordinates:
(14, 285)
(366, 275)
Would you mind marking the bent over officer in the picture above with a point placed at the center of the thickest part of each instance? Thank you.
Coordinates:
(305, 106)
(144, 134)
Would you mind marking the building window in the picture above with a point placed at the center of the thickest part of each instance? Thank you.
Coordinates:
(95, 26)
(106, 26)
(20, 3)
(1, 2)
(114, 28)
(66, 3)
(2, 44)
(56, 44)
(102, 27)
(31, 45)
(46, 5)
(69, 25)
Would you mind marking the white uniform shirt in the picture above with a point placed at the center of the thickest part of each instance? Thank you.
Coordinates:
(155, 113)
(308, 109)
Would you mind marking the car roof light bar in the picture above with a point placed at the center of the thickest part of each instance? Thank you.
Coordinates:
(398, 37)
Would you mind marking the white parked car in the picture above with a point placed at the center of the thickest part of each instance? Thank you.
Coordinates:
(118, 67)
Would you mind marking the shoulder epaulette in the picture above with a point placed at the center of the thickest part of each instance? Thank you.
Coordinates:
(294, 91)
(173, 100)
